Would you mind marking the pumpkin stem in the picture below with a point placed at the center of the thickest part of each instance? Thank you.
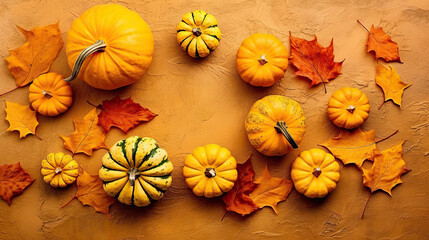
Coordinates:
(263, 59)
(58, 170)
(281, 127)
(317, 171)
(47, 94)
(351, 108)
(210, 172)
(133, 173)
(99, 45)
(197, 31)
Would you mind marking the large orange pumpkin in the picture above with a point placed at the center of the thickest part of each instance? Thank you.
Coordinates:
(262, 60)
(122, 51)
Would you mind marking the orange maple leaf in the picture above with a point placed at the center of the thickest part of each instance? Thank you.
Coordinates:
(36, 55)
(381, 44)
(124, 114)
(386, 171)
(314, 61)
(87, 135)
(90, 192)
(271, 190)
(391, 83)
(352, 147)
(21, 118)
(238, 199)
(13, 180)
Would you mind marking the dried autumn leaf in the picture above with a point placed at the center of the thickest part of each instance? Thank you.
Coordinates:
(314, 61)
(124, 114)
(87, 136)
(352, 147)
(238, 199)
(21, 118)
(13, 181)
(36, 55)
(271, 190)
(90, 192)
(391, 83)
(381, 44)
(386, 171)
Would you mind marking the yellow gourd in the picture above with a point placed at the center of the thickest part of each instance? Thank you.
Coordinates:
(59, 169)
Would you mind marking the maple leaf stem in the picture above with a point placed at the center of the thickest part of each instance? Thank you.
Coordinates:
(366, 204)
(363, 25)
(324, 85)
(13, 89)
(387, 137)
(381, 105)
(99, 106)
(74, 197)
(226, 212)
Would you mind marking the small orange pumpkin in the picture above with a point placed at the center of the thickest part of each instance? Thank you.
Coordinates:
(348, 108)
(262, 60)
(275, 125)
(50, 95)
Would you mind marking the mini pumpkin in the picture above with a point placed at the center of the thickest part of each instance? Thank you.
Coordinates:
(116, 43)
(315, 173)
(59, 169)
(210, 170)
(262, 60)
(50, 95)
(198, 34)
(348, 108)
(136, 171)
(275, 125)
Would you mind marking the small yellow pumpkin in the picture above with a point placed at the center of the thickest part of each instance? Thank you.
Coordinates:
(348, 108)
(136, 171)
(262, 60)
(315, 173)
(198, 34)
(50, 95)
(210, 170)
(275, 125)
(116, 43)
(59, 169)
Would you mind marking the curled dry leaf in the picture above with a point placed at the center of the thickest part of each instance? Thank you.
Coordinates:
(124, 114)
(386, 171)
(314, 61)
(87, 135)
(13, 181)
(391, 83)
(271, 190)
(352, 147)
(21, 118)
(90, 192)
(238, 199)
(36, 55)
(381, 44)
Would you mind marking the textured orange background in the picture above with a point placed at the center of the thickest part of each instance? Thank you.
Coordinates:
(204, 101)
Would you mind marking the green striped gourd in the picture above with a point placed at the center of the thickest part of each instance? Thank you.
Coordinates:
(136, 171)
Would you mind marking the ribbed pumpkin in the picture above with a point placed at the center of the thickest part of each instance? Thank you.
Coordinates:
(275, 125)
(126, 53)
(348, 108)
(50, 95)
(198, 34)
(262, 60)
(210, 170)
(59, 169)
(136, 171)
(315, 173)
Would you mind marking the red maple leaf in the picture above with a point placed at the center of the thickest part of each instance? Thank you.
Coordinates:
(123, 114)
(13, 180)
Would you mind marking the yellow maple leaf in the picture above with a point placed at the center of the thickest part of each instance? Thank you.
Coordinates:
(271, 190)
(36, 55)
(352, 147)
(87, 136)
(21, 118)
(391, 83)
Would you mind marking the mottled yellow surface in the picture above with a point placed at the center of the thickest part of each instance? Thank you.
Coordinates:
(205, 101)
